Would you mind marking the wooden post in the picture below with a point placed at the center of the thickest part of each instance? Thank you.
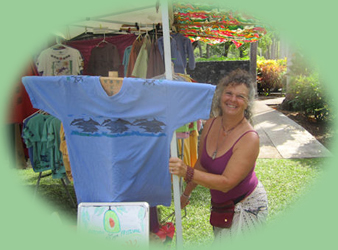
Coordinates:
(208, 50)
(253, 62)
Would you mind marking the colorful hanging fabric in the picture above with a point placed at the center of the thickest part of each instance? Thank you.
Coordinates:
(209, 24)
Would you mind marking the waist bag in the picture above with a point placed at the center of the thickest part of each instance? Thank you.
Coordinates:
(222, 214)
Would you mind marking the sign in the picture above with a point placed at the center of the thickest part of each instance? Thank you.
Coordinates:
(127, 222)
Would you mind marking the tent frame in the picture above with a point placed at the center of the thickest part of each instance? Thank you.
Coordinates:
(168, 76)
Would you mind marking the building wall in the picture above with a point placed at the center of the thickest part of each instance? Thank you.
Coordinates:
(212, 72)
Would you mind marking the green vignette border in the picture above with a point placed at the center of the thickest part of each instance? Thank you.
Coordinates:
(26, 28)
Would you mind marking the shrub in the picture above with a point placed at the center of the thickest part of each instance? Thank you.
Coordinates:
(306, 93)
(270, 75)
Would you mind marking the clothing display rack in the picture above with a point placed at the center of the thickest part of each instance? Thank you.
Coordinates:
(64, 184)
(44, 165)
(74, 43)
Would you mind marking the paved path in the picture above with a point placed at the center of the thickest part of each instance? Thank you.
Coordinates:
(281, 137)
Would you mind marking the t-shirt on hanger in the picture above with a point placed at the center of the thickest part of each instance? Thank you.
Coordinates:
(119, 145)
(55, 61)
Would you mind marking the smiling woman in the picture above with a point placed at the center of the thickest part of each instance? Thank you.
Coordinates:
(25, 219)
(232, 80)
(234, 99)
(229, 148)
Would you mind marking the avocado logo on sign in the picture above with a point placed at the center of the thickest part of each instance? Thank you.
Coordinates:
(111, 222)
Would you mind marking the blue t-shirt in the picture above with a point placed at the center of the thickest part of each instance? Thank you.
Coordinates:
(119, 145)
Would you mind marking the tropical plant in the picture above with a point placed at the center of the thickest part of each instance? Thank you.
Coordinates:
(270, 75)
(306, 93)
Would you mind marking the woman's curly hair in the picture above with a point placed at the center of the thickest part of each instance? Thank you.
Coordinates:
(234, 78)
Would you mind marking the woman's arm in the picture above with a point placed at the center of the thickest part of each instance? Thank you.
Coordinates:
(191, 185)
(242, 161)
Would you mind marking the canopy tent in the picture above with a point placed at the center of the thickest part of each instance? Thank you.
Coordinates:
(141, 16)
(198, 22)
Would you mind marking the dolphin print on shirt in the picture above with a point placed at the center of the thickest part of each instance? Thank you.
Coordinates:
(112, 127)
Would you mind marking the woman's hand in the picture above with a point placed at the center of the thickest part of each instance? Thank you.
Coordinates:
(177, 167)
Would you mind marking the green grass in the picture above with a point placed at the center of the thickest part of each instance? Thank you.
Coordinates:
(285, 181)
(52, 192)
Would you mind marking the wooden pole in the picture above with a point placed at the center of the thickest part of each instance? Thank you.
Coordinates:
(253, 62)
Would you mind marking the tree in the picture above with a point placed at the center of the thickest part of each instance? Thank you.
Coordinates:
(269, 45)
(226, 48)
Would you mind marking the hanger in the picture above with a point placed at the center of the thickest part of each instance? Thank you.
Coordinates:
(43, 112)
(147, 36)
(35, 113)
(140, 34)
(58, 44)
(113, 75)
(39, 112)
(103, 41)
(111, 83)
(138, 38)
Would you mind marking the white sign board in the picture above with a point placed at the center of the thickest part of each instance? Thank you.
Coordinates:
(127, 222)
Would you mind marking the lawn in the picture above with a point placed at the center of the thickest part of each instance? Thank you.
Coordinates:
(285, 181)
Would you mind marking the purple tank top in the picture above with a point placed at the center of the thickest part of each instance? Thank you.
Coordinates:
(217, 166)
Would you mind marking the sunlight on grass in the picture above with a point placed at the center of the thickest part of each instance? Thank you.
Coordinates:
(285, 180)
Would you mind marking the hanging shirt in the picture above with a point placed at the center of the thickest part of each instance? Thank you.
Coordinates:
(119, 145)
(155, 62)
(41, 134)
(51, 135)
(185, 48)
(24, 127)
(176, 58)
(141, 63)
(103, 59)
(125, 60)
(56, 62)
(64, 152)
(135, 50)
(33, 136)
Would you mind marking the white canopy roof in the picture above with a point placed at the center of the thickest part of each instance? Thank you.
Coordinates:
(145, 14)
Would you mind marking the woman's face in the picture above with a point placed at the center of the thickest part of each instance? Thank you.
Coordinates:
(234, 99)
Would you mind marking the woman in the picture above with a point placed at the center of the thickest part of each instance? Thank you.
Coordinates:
(229, 147)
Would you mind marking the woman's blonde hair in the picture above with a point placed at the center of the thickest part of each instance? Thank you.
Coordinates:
(234, 78)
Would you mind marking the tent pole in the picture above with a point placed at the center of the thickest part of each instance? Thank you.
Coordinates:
(166, 40)
(173, 146)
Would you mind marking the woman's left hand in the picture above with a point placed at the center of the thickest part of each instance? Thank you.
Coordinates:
(177, 167)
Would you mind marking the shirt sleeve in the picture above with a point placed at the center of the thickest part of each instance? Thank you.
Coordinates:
(188, 102)
(190, 53)
(46, 93)
(41, 62)
(79, 63)
(160, 45)
(116, 58)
